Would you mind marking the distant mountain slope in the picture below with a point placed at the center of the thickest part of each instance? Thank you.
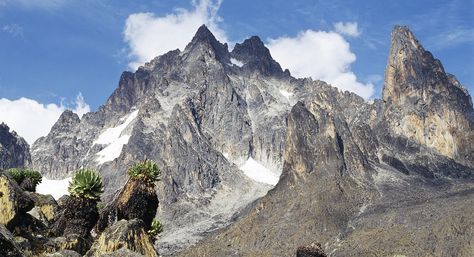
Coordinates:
(14, 151)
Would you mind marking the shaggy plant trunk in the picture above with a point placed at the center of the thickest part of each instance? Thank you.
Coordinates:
(78, 216)
(138, 200)
(28, 185)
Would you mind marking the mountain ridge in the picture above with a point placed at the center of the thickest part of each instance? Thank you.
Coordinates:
(201, 116)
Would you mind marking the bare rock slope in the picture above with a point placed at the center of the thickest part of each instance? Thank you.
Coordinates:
(367, 183)
(358, 177)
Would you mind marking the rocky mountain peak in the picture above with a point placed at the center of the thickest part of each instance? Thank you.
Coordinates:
(205, 37)
(252, 48)
(423, 102)
(255, 56)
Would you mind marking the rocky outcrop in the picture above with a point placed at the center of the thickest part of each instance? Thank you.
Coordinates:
(320, 176)
(137, 200)
(124, 234)
(13, 201)
(8, 246)
(354, 180)
(64, 253)
(312, 250)
(46, 208)
(14, 151)
(77, 216)
(424, 103)
(201, 113)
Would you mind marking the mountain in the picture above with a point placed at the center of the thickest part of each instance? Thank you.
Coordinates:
(14, 151)
(392, 176)
(205, 115)
(366, 184)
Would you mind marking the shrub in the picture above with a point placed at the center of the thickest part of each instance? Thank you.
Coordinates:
(27, 179)
(86, 184)
(146, 171)
(17, 174)
(156, 228)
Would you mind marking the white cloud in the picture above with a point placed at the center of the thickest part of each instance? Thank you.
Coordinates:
(149, 36)
(31, 119)
(321, 55)
(347, 28)
(317, 54)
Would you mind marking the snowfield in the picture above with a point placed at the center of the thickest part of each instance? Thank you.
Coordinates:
(113, 138)
(259, 173)
(286, 94)
(236, 62)
(56, 188)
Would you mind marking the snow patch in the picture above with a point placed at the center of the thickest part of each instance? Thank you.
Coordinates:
(56, 188)
(236, 62)
(286, 94)
(113, 138)
(259, 173)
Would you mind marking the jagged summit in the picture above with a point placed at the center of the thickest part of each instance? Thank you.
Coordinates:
(203, 34)
(425, 103)
(217, 122)
(205, 37)
(255, 56)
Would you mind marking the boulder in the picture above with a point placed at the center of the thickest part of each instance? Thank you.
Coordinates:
(46, 208)
(77, 216)
(64, 253)
(122, 253)
(8, 246)
(70, 242)
(136, 200)
(125, 234)
(13, 200)
(312, 250)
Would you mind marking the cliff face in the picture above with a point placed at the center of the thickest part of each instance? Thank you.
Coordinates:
(14, 151)
(380, 179)
(424, 103)
(347, 167)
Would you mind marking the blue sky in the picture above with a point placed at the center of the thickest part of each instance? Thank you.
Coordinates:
(52, 50)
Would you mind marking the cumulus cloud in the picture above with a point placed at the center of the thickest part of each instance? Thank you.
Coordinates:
(317, 54)
(148, 35)
(321, 55)
(31, 119)
(350, 29)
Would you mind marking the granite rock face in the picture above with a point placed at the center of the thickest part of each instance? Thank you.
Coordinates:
(14, 151)
(426, 104)
(358, 177)
(350, 169)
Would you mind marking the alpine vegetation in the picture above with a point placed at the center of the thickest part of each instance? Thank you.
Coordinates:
(79, 213)
(26, 179)
(86, 184)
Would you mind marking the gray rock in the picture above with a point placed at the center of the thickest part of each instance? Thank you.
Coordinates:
(8, 246)
(124, 234)
(424, 103)
(13, 201)
(64, 253)
(200, 117)
(360, 183)
(14, 151)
